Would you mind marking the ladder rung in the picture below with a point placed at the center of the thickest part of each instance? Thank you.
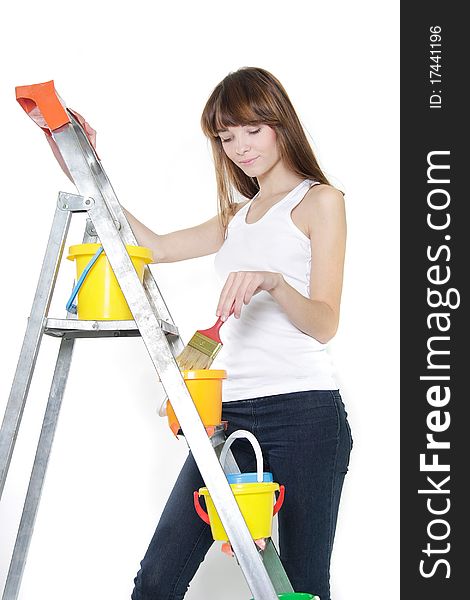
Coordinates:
(92, 329)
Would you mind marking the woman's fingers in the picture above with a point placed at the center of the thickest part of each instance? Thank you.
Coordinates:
(253, 286)
(237, 291)
(231, 295)
(226, 299)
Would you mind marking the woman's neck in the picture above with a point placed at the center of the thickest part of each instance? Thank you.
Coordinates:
(279, 179)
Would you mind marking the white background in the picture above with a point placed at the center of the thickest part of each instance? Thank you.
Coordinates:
(140, 72)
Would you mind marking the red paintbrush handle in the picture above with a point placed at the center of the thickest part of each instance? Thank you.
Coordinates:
(213, 332)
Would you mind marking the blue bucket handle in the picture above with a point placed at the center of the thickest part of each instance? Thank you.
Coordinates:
(72, 308)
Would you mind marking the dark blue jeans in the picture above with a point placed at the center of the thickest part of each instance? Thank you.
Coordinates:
(306, 441)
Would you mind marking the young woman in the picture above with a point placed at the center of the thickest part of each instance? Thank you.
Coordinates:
(280, 254)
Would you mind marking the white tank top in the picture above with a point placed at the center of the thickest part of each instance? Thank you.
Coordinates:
(263, 352)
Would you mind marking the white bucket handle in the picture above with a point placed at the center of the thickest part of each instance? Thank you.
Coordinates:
(241, 433)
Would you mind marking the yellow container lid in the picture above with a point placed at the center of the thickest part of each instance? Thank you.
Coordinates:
(135, 251)
(205, 374)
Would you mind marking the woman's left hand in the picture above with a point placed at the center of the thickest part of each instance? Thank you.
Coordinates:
(241, 286)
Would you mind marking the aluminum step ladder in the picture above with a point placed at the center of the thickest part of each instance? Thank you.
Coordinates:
(107, 224)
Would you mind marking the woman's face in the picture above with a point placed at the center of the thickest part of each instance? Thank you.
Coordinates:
(253, 148)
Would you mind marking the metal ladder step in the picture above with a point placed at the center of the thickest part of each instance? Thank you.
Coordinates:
(75, 328)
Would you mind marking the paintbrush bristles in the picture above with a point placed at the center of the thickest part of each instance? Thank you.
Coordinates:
(191, 359)
(199, 353)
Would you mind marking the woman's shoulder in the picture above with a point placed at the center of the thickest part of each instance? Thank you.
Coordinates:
(324, 191)
(321, 203)
(322, 197)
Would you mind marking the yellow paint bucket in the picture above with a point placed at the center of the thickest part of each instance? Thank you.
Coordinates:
(100, 298)
(205, 387)
(255, 500)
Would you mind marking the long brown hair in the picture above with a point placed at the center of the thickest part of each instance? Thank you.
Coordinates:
(251, 96)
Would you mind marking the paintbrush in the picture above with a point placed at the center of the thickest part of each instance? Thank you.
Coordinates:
(202, 348)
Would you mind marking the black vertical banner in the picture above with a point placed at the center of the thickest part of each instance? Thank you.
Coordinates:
(435, 267)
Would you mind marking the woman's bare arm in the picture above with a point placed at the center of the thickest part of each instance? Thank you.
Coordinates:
(200, 240)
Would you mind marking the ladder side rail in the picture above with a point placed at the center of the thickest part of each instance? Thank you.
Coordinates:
(38, 472)
(106, 190)
(275, 569)
(90, 180)
(41, 460)
(175, 388)
(32, 340)
(84, 175)
(160, 352)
